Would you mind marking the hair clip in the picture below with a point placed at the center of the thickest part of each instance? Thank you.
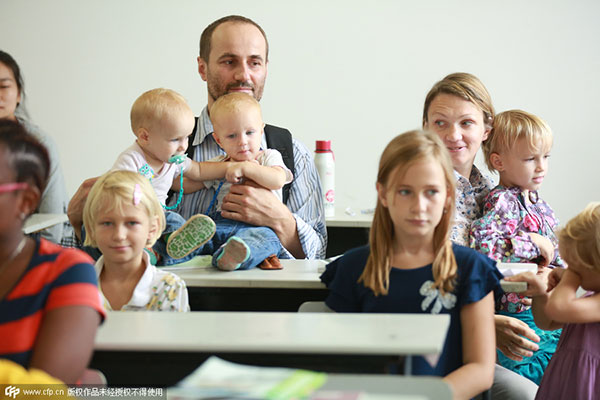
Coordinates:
(137, 194)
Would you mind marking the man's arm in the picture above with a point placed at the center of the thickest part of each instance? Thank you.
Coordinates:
(75, 209)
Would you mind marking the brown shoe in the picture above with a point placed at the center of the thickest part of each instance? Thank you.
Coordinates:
(271, 262)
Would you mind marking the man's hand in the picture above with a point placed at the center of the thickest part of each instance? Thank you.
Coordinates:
(510, 340)
(258, 206)
(75, 208)
(254, 205)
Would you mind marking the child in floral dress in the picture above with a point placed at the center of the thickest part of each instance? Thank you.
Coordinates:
(517, 225)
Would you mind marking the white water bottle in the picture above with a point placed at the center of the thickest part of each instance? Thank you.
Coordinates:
(325, 163)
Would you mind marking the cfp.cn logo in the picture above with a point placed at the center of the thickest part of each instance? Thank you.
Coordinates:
(12, 391)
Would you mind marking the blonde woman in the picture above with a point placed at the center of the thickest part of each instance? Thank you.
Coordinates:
(459, 110)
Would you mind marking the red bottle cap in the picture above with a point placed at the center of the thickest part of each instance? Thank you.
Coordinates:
(323, 145)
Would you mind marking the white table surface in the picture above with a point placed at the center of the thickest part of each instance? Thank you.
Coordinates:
(38, 222)
(345, 220)
(424, 387)
(262, 332)
(296, 274)
(370, 387)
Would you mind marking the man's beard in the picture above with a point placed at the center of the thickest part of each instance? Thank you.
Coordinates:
(216, 89)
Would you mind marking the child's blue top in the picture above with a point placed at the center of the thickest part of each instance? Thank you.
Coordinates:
(411, 291)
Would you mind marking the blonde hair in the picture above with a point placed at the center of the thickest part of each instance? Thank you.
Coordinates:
(581, 235)
(512, 125)
(155, 105)
(114, 189)
(467, 87)
(233, 103)
(402, 152)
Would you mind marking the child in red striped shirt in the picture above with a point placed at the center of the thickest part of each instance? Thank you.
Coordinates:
(49, 301)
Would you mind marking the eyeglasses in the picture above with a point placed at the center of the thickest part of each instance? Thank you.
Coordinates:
(11, 187)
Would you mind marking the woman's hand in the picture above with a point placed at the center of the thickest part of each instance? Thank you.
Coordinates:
(514, 338)
(536, 283)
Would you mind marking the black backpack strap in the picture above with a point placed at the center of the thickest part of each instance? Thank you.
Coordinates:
(190, 150)
(280, 139)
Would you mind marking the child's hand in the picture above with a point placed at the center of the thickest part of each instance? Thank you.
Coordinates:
(546, 247)
(235, 172)
(554, 277)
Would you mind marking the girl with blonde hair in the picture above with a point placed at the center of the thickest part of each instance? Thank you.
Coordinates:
(574, 368)
(410, 265)
(123, 216)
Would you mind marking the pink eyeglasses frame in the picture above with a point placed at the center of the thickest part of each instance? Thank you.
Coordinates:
(13, 186)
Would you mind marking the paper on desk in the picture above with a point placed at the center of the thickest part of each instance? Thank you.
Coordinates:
(220, 378)
(510, 269)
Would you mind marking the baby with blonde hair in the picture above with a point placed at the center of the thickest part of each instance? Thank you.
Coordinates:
(238, 130)
(517, 225)
(123, 217)
(162, 121)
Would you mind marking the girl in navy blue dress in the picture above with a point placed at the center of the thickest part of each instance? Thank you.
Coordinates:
(410, 265)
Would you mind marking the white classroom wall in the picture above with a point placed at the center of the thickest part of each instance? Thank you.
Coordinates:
(355, 72)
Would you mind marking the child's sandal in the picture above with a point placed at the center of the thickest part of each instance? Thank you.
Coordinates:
(198, 230)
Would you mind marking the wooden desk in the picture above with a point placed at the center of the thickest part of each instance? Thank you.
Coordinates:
(38, 222)
(170, 345)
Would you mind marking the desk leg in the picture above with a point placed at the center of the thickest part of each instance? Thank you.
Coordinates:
(408, 365)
